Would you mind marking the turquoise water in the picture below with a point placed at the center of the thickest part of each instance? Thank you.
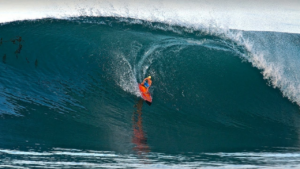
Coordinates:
(69, 95)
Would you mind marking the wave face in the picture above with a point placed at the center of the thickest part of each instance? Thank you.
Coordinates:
(69, 88)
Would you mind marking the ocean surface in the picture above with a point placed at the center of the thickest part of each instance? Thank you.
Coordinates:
(223, 97)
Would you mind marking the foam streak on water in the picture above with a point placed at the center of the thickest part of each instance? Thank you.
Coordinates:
(64, 158)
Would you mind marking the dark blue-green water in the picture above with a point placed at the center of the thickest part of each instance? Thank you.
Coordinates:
(69, 96)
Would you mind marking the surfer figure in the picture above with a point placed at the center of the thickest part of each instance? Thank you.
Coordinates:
(147, 82)
(19, 39)
(36, 63)
(19, 49)
(14, 41)
(4, 58)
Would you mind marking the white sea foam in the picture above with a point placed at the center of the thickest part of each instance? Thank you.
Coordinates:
(67, 158)
(242, 15)
(277, 58)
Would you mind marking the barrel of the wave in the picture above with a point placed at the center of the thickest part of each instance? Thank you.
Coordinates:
(145, 94)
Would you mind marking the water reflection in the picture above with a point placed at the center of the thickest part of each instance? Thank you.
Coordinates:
(139, 137)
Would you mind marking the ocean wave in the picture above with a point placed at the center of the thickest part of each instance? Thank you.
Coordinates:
(195, 72)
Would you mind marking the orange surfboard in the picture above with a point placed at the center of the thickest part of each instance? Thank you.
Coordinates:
(145, 94)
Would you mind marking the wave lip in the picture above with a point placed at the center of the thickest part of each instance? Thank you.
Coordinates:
(245, 15)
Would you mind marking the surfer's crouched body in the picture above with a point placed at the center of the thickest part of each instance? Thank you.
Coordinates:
(147, 82)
